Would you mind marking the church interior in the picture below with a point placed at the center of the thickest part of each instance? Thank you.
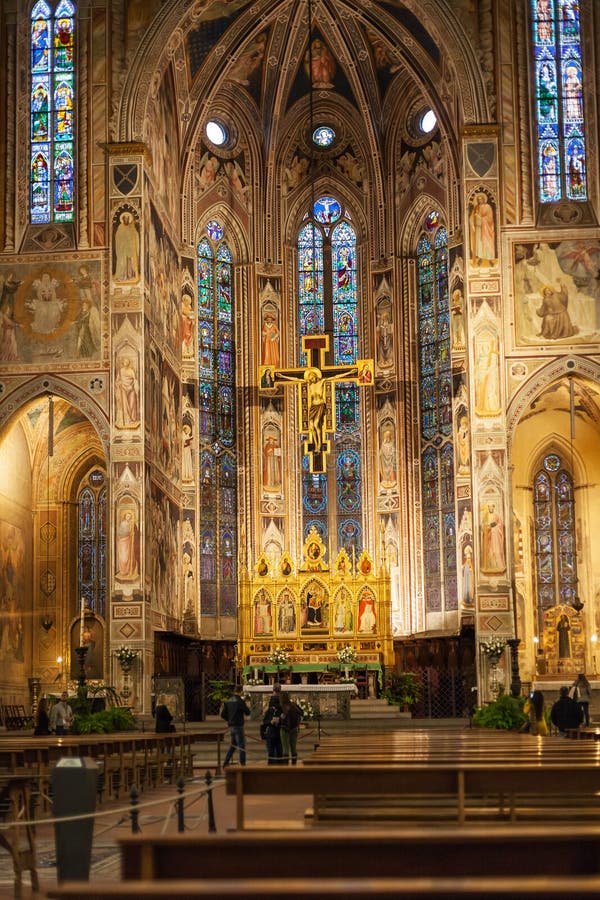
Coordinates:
(299, 341)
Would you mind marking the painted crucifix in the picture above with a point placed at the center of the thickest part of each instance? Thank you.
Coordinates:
(316, 399)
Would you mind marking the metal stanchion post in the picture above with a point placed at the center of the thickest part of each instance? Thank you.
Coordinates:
(211, 807)
(134, 813)
(180, 790)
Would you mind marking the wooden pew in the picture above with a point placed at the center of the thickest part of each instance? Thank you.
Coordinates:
(15, 804)
(441, 852)
(124, 758)
(460, 781)
(521, 888)
(15, 718)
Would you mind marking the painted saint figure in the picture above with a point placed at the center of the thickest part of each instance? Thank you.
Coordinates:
(127, 547)
(271, 463)
(367, 620)
(270, 341)
(564, 637)
(463, 445)
(385, 340)
(482, 231)
(387, 460)
(319, 64)
(493, 559)
(459, 341)
(127, 395)
(487, 372)
(127, 249)
(47, 307)
(263, 623)
(468, 577)
(556, 322)
(287, 616)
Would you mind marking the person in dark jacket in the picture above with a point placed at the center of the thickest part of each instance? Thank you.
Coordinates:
(42, 722)
(272, 728)
(566, 712)
(164, 718)
(236, 711)
(291, 716)
(582, 693)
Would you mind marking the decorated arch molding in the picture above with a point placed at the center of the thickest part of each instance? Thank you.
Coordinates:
(542, 378)
(165, 39)
(44, 385)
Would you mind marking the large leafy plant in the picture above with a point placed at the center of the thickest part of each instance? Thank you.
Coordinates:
(117, 718)
(505, 713)
(403, 691)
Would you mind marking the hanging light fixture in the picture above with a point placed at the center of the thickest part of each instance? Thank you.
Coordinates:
(47, 619)
(577, 602)
(313, 158)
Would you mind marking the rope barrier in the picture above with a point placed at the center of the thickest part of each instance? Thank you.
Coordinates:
(5, 826)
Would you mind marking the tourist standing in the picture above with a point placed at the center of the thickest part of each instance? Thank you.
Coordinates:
(271, 727)
(235, 712)
(566, 712)
(164, 719)
(42, 722)
(291, 716)
(61, 717)
(582, 692)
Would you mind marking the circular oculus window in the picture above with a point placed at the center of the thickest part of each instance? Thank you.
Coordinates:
(323, 136)
(216, 133)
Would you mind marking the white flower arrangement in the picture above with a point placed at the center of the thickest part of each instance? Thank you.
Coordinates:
(253, 681)
(279, 657)
(308, 711)
(347, 655)
(126, 655)
(494, 647)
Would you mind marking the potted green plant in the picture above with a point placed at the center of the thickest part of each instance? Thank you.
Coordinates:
(403, 691)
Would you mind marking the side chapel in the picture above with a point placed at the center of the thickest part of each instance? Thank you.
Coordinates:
(299, 339)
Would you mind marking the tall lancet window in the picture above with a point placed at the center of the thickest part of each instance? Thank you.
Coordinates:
(554, 523)
(216, 426)
(328, 304)
(437, 451)
(561, 149)
(52, 112)
(91, 534)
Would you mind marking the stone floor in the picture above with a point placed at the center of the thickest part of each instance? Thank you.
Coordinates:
(114, 822)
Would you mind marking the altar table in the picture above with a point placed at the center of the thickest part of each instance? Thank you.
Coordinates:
(329, 701)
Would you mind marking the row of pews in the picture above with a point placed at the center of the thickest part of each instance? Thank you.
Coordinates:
(461, 814)
(124, 760)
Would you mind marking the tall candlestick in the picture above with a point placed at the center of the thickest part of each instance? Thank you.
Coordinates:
(81, 622)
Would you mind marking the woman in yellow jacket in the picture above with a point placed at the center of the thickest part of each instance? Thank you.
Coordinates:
(534, 710)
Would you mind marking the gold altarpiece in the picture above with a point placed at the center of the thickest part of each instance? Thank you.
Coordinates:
(313, 610)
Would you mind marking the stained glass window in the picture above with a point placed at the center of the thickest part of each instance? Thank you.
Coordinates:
(52, 112)
(324, 136)
(437, 451)
(216, 425)
(328, 303)
(555, 544)
(561, 148)
(91, 542)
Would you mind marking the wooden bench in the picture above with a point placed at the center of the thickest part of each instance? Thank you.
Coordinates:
(584, 732)
(15, 718)
(537, 888)
(123, 759)
(15, 804)
(471, 851)
(503, 784)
